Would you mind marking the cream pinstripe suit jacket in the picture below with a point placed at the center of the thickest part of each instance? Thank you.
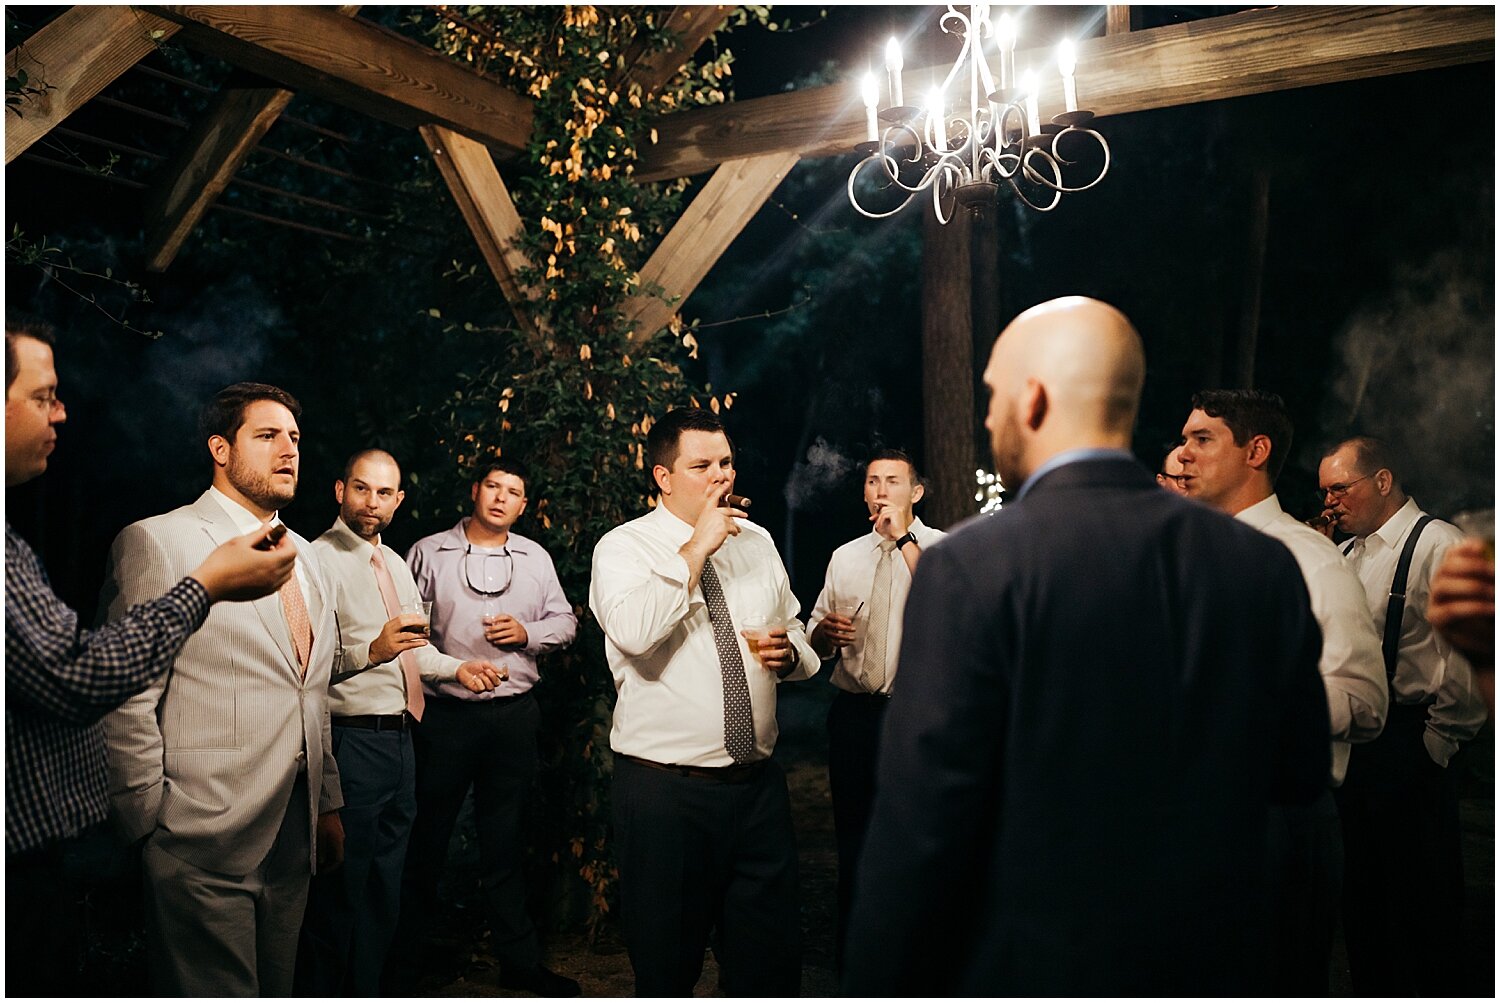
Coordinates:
(206, 757)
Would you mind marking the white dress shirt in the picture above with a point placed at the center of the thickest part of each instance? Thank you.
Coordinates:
(1427, 667)
(1351, 664)
(246, 521)
(851, 573)
(378, 688)
(660, 642)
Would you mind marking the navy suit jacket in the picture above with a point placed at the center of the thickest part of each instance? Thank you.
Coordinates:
(1103, 687)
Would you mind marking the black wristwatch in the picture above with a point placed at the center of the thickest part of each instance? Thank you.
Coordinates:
(910, 537)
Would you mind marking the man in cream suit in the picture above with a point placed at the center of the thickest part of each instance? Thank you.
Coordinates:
(225, 765)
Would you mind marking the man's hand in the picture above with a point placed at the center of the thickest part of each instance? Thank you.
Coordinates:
(775, 650)
(505, 631)
(237, 572)
(834, 631)
(394, 638)
(1462, 604)
(888, 523)
(330, 842)
(480, 676)
(1327, 522)
(715, 525)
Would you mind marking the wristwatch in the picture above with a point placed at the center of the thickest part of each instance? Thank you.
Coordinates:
(910, 537)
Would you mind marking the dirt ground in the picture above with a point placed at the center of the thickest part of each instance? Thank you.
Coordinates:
(463, 967)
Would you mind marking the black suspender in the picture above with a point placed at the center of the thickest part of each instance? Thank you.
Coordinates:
(1397, 605)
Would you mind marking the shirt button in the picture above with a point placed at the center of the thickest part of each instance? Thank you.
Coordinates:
(302, 756)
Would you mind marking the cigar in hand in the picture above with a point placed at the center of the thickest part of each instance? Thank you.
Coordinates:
(1319, 521)
(272, 537)
(734, 501)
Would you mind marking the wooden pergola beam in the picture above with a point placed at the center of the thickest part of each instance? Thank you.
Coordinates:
(693, 25)
(1236, 55)
(716, 216)
(1117, 19)
(488, 209)
(239, 117)
(75, 57)
(358, 65)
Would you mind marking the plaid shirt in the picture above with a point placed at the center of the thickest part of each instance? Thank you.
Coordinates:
(60, 681)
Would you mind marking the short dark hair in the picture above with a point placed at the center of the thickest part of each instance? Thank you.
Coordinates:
(1249, 413)
(1370, 455)
(665, 437)
(360, 454)
(23, 325)
(224, 415)
(895, 454)
(503, 465)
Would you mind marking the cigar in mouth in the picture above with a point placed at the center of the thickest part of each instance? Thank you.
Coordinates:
(734, 501)
(1319, 521)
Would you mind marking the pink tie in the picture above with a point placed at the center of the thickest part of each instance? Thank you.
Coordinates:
(416, 700)
(297, 621)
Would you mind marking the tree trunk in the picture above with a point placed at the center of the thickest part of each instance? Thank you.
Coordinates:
(947, 369)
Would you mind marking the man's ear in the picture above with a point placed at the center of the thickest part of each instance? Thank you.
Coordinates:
(338, 492)
(1033, 405)
(218, 448)
(917, 493)
(1384, 481)
(663, 478)
(1259, 452)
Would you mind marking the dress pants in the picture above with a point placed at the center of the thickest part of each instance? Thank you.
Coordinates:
(854, 723)
(1307, 869)
(701, 857)
(491, 746)
(352, 911)
(210, 934)
(1403, 874)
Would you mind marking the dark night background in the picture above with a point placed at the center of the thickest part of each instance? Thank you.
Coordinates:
(1376, 312)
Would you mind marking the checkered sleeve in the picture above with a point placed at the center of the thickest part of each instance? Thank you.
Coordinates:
(54, 667)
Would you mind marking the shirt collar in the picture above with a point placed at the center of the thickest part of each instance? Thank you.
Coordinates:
(351, 539)
(244, 520)
(1261, 514)
(457, 539)
(669, 525)
(1066, 457)
(1396, 526)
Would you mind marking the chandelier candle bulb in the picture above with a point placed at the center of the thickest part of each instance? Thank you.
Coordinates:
(1067, 62)
(935, 120)
(1005, 41)
(1033, 120)
(872, 98)
(893, 67)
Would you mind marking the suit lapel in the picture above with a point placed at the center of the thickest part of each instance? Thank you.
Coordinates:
(220, 529)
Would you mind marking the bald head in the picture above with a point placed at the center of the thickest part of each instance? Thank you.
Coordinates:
(1066, 374)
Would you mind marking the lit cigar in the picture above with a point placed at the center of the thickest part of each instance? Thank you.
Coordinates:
(1319, 521)
(734, 501)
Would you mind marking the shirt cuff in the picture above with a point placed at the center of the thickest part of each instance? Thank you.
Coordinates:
(1439, 748)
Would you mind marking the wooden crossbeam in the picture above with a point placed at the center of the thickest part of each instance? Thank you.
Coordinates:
(693, 25)
(241, 114)
(488, 209)
(727, 202)
(1253, 52)
(75, 57)
(358, 65)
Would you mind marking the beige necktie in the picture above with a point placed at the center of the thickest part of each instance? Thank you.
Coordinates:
(416, 700)
(297, 621)
(880, 619)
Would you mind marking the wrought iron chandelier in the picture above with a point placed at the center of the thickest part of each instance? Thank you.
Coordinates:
(963, 159)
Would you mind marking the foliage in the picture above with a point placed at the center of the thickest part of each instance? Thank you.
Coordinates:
(574, 390)
(104, 291)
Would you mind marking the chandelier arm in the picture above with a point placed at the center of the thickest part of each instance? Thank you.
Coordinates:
(854, 199)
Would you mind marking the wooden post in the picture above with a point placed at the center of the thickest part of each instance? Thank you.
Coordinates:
(1117, 19)
(947, 369)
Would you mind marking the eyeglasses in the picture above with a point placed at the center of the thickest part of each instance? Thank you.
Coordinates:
(510, 570)
(1339, 490)
(47, 402)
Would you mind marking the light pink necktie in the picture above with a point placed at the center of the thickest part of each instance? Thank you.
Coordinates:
(416, 700)
(295, 609)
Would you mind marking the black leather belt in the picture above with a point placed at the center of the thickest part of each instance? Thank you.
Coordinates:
(374, 722)
(740, 773)
(866, 696)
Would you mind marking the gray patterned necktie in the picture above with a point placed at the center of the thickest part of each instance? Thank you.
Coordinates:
(739, 724)
(880, 618)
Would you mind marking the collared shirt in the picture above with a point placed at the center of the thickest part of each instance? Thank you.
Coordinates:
(453, 574)
(1427, 667)
(59, 681)
(246, 521)
(1068, 456)
(1351, 664)
(660, 642)
(358, 686)
(850, 576)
